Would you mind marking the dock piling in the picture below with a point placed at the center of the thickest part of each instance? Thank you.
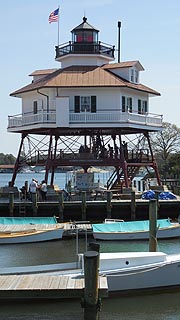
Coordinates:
(83, 208)
(91, 301)
(93, 246)
(61, 206)
(34, 203)
(109, 205)
(133, 205)
(153, 225)
(11, 203)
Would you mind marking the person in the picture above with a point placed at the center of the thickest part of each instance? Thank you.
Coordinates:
(43, 190)
(69, 190)
(33, 186)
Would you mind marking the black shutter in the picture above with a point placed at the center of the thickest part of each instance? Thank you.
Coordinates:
(123, 104)
(93, 103)
(145, 106)
(35, 107)
(77, 104)
(139, 106)
(130, 104)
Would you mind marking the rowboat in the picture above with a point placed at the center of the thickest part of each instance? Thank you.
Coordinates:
(126, 272)
(113, 229)
(15, 230)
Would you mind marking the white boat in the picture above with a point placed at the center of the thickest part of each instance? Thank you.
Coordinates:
(15, 230)
(126, 272)
(134, 230)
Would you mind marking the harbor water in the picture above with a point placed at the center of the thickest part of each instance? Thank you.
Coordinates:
(164, 306)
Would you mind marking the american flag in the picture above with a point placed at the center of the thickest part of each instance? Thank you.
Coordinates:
(53, 17)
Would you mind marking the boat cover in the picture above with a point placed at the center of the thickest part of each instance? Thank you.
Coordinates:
(129, 226)
(166, 195)
(27, 220)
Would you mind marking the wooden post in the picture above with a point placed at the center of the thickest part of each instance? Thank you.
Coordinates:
(61, 206)
(34, 203)
(11, 203)
(108, 204)
(91, 274)
(26, 189)
(153, 225)
(93, 246)
(157, 200)
(83, 208)
(133, 205)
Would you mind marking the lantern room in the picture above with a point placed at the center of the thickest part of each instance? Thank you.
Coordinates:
(85, 48)
(84, 33)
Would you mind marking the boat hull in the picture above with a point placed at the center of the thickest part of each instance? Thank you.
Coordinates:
(160, 278)
(31, 236)
(166, 233)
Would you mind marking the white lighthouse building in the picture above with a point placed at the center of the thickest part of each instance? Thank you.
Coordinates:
(91, 111)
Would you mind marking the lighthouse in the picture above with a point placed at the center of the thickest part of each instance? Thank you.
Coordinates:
(90, 111)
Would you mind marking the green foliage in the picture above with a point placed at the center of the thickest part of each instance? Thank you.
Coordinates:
(166, 147)
(7, 158)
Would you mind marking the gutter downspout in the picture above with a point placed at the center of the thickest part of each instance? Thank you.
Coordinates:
(45, 95)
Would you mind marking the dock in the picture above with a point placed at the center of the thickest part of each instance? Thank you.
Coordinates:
(82, 206)
(95, 210)
(38, 286)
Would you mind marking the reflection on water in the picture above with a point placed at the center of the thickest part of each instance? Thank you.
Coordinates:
(156, 307)
(65, 250)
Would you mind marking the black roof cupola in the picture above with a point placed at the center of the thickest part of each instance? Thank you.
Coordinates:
(85, 48)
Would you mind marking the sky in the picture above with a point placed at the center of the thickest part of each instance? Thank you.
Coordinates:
(149, 33)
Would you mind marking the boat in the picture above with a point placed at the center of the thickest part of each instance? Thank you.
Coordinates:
(126, 272)
(114, 229)
(15, 230)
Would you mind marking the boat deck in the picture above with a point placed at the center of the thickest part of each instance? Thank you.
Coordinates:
(38, 286)
(6, 228)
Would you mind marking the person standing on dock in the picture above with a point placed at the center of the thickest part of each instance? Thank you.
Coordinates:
(43, 190)
(33, 186)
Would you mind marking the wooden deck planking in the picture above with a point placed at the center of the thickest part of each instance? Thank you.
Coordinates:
(43, 282)
(70, 283)
(63, 282)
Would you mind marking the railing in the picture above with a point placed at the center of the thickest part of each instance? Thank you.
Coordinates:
(31, 118)
(81, 48)
(115, 117)
(85, 118)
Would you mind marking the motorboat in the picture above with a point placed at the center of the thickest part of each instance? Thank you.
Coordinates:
(126, 272)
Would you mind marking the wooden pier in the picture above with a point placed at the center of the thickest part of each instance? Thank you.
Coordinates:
(82, 207)
(38, 286)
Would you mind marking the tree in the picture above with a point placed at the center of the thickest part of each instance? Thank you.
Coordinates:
(164, 144)
(7, 158)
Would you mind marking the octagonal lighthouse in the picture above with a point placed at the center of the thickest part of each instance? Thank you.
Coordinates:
(90, 112)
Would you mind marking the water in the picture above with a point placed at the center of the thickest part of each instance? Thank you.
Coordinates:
(60, 179)
(147, 307)
(162, 306)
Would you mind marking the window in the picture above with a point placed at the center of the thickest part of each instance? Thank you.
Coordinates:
(136, 76)
(85, 104)
(142, 106)
(129, 104)
(126, 104)
(35, 107)
(132, 75)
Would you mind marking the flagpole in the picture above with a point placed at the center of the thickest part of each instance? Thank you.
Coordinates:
(58, 26)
